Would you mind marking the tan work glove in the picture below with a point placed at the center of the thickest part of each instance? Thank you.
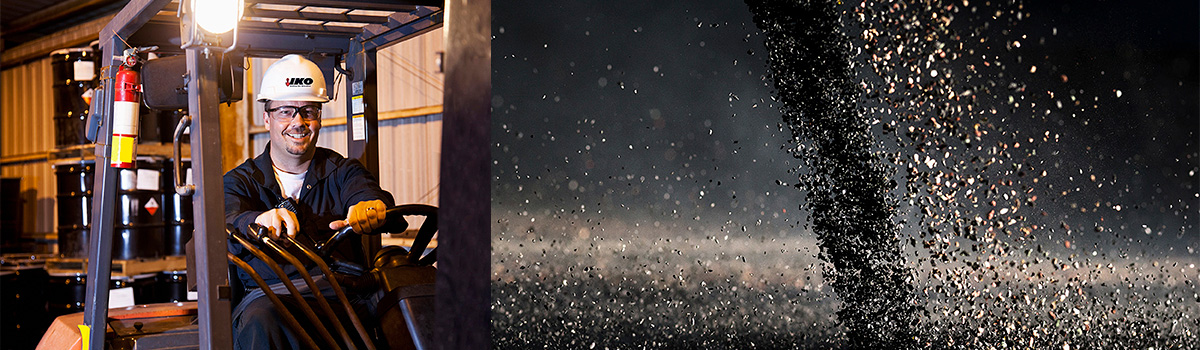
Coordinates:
(276, 219)
(364, 217)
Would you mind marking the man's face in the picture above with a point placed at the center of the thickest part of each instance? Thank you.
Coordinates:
(292, 126)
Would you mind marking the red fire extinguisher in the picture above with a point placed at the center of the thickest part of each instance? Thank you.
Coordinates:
(126, 99)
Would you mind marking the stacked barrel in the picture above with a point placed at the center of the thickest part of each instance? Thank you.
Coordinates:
(74, 71)
(151, 224)
(23, 281)
(177, 218)
(27, 290)
(178, 210)
(138, 215)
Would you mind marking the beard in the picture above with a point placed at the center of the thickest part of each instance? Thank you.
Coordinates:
(297, 150)
(301, 146)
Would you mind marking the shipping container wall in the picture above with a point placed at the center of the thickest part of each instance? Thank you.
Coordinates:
(26, 134)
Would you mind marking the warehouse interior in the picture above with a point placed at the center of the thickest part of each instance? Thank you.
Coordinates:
(50, 63)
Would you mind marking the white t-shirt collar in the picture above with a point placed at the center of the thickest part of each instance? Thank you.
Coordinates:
(290, 184)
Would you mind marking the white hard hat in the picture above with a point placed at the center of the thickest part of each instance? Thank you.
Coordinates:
(293, 78)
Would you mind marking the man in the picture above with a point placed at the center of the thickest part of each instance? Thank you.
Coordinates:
(295, 189)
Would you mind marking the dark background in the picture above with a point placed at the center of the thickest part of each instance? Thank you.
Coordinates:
(633, 123)
(611, 97)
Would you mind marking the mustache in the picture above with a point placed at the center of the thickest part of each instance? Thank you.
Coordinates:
(297, 129)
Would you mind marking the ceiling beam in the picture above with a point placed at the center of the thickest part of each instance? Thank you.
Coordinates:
(276, 44)
(402, 27)
(53, 13)
(348, 32)
(71, 37)
(255, 40)
(374, 5)
(315, 16)
(131, 18)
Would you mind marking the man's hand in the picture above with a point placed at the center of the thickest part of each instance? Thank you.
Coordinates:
(276, 219)
(364, 217)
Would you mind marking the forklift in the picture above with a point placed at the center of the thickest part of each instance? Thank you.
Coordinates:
(421, 306)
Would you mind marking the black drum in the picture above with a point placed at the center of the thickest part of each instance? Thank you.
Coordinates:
(75, 180)
(177, 211)
(74, 72)
(12, 210)
(145, 287)
(67, 292)
(23, 306)
(172, 286)
(158, 126)
(138, 214)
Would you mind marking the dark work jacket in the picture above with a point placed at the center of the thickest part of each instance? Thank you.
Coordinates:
(332, 184)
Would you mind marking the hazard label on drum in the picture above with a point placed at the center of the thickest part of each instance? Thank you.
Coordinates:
(151, 206)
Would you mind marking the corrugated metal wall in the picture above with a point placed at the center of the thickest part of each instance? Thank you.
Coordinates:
(26, 128)
(412, 171)
(408, 73)
(410, 147)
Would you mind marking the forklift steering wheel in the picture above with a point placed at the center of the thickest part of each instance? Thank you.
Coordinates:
(396, 223)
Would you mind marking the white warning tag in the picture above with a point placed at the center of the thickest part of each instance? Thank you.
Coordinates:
(148, 179)
(358, 127)
(120, 297)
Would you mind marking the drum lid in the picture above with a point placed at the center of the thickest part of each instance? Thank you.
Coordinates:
(73, 161)
(68, 51)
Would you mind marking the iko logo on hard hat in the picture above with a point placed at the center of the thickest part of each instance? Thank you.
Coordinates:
(293, 78)
(298, 82)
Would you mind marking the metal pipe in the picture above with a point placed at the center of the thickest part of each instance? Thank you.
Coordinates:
(287, 316)
(181, 186)
(308, 312)
(337, 289)
(312, 285)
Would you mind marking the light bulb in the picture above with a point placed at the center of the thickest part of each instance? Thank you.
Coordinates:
(218, 16)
